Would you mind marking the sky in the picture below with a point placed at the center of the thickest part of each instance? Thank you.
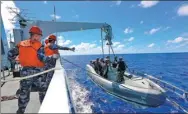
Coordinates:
(138, 26)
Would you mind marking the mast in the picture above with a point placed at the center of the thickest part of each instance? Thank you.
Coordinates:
(55, 21)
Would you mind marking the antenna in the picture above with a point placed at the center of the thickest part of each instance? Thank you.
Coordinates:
(55, 21)
(54, 14)
(19, 17)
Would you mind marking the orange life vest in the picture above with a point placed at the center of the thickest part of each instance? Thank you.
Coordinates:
(28, 53)
(49, 52)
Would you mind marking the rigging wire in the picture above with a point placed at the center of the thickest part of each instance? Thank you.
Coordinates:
(102, 42)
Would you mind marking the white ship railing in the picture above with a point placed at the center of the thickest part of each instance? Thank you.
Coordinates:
(56, 99)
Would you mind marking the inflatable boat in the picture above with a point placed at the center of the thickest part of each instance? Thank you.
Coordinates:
(134, 88)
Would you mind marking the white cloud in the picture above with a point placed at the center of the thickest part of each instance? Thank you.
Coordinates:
(151, 45)
(120, 46)
(152, 31)
(45, 2)
(185, 34)
(63, 42)
(131, 39)
(166, 28)
(182, 45)
(118, 2)
(178, 40)
(147, 4)
(116, 44)
(141, 22)
(183, 10)
(128, 30)
(56, 16)
(85, 48)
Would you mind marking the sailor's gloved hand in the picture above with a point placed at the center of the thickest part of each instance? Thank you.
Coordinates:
(55, 56)
(72, 49)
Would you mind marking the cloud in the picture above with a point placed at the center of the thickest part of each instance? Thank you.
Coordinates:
(116, 44)
(87, 48)
(118, 2)
(147, 4)
(151, 45)
(128, 30)
(63, 42)
(45, 2)
(152, 31)
(120, 46)
(141, 22)
(182, 45)
(56, 16)
(131, 39)
(115, 3)
(178, 40)
(166, 28)
(185, 34)
(183, 10)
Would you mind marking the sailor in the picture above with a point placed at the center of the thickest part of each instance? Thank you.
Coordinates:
(12, 55)
(91, 63)
(32, 59)
(114, 64)
(121, 67)
(106, 68)
(102, 64)
(51, 49)
(98, 66)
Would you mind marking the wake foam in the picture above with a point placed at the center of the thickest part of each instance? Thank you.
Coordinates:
(79, 94)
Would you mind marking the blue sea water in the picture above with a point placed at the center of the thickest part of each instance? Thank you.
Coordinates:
(90, 98)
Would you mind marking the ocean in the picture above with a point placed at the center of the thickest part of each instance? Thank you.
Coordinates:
(90, 98)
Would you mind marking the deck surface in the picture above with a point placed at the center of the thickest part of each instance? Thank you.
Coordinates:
(11, 106)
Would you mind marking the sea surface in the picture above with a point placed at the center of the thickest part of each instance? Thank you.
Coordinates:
(89, 98)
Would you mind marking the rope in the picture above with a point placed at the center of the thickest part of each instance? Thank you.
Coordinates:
(31, 76)
(112, 51)
(7, 98)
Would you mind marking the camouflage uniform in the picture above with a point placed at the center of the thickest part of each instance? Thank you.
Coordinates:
(11, 57)
(51, 64)
(26, 84)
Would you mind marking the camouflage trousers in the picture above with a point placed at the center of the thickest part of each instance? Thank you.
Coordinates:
(120, 76)
(50, 74)
(26, 85)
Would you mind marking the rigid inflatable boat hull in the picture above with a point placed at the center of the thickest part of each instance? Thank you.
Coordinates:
(149, 97)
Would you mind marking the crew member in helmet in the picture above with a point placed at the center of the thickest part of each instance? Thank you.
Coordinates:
(32, 59)
(121, 68)
(51, 49)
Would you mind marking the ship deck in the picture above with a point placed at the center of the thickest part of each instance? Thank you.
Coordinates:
(11, 106)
